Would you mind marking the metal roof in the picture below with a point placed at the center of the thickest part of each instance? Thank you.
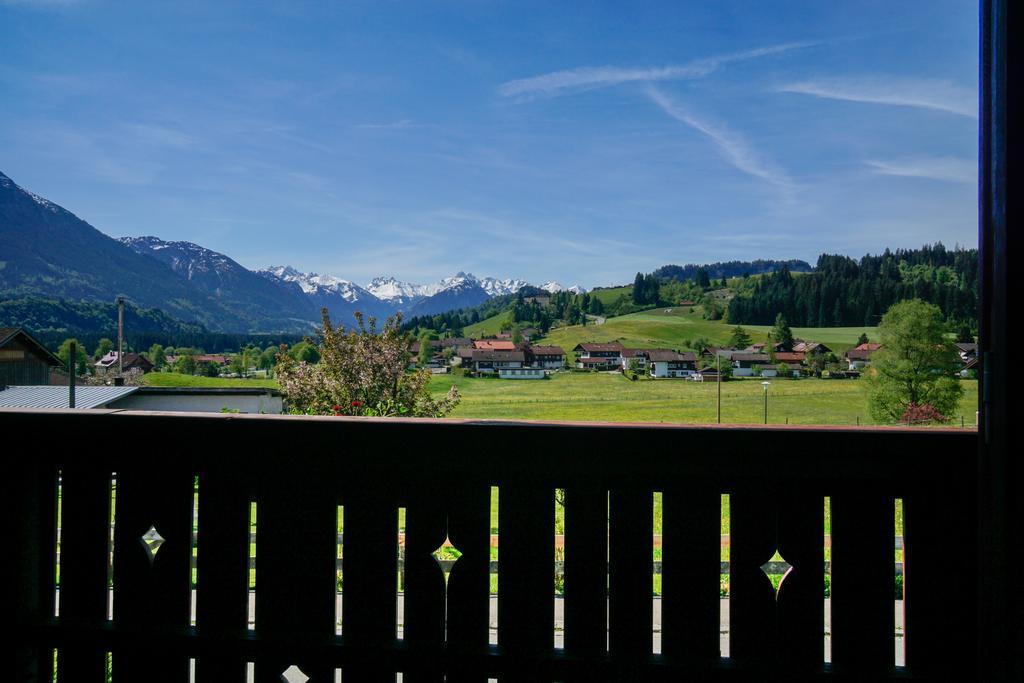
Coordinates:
(57, 396)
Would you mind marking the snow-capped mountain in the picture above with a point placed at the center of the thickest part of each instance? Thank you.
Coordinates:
(340, 297)
(226, 280)
(496, 287)
(397, 293)
(189, 260)
(554, 287)
(315, 283)
(462, 290)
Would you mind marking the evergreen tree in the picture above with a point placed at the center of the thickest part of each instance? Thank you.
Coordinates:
(781, 334)
(739, 339)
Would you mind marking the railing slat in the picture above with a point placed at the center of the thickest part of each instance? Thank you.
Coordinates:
(222, 573)
(586, 570)
(753, 635)
(469, 528)
(939, 604)
(28, 502)
(630, 567)
(85, 522)
(863, 527)
(296, 559)
(370, 574)
(425, 525)
(690, 575)
(151, 599)
(800, 603)
(526, 557)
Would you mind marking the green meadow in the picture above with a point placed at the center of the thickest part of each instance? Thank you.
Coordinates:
(610, 397)
(176, 379)
(673, 327)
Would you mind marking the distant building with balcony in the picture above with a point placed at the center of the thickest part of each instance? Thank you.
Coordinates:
(662, 363)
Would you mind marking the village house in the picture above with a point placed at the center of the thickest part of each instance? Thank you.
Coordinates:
(594, 350)
(494, 345)
(639, 356)
(665, 363)
(598, 362)
(133, 363)
(488, 362)
(745, 364)
(218, 358)
(859, 357)
(546, 357)
(23, 359)
(456, 343)
(810, 348)
(967, 351)
(522, 373)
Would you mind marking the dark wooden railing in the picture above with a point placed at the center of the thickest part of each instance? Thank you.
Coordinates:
(299, 470)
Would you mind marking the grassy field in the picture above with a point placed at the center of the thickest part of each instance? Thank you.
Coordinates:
(613, 398)
(174, 379)
(486, 327)
(671, 327)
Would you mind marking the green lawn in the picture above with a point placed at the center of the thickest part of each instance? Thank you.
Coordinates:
(174, 379)
(672, 327)
(612, 398)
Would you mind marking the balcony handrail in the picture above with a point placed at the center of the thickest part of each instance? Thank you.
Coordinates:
(300, 469)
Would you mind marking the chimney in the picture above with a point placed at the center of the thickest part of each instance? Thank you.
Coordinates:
(72, 358)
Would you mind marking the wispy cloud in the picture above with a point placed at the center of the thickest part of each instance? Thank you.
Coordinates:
(588, 78)
(733, 147)
(939, 95)
(391, 125)
(948, 169)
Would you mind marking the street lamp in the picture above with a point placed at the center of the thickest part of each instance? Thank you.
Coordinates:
(765, 385)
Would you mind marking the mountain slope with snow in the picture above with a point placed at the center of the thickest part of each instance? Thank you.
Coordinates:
(341, 298)
(281, 305)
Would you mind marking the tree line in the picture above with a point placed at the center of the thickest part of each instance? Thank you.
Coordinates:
(844, 292)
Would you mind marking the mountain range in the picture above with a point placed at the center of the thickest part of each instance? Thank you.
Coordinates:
(46, 251)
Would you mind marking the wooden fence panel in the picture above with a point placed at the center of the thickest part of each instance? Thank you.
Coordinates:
(586, 571)
(371, 579)
(222, 572)
(296, 559)
(863, 527)
(84, 560)
(152, 589)
(468, 609)
(526, 523)
(630, 580)
(800, 599)
(753, 636)
(690, 575)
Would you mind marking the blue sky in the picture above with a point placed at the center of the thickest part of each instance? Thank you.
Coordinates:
(573, 141)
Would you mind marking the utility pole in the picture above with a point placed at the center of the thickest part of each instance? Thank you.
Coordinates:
(718, 356)
(120, 335)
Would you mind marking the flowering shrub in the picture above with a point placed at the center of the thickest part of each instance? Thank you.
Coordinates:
(362, 371)
(918, 413)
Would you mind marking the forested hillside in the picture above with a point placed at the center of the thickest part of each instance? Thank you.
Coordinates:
(844, 292)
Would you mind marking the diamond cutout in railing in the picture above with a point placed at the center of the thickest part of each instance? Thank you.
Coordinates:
(151, 542)
(293, 674)
(446, 555)
(776, 567)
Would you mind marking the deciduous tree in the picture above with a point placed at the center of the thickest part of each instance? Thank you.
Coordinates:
(915, 365)
(362, 371)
